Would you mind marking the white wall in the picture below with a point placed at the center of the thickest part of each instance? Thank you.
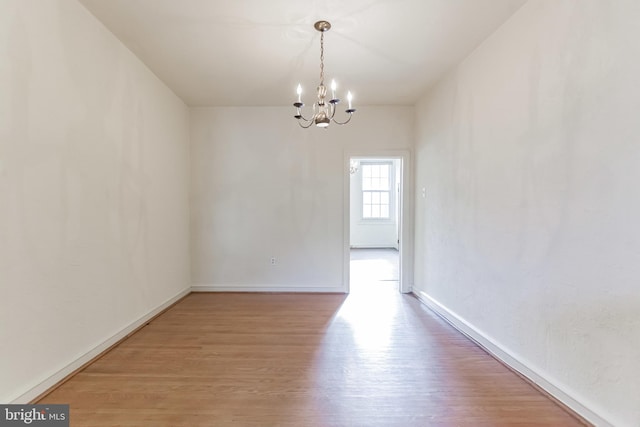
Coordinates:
(373, 233)
(93, 191)
(529, 153)
(263, 187)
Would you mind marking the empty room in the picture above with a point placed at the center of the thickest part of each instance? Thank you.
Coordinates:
(323, 213)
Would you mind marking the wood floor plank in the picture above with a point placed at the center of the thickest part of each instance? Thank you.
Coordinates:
(367, 359)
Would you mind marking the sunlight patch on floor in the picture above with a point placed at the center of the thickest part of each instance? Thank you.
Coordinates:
(368, 310)
(369, 317)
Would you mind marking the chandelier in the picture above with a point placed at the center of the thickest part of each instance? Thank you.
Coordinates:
(323, 110)
(353, 166)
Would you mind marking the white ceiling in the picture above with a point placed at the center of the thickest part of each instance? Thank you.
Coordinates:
(254, 52)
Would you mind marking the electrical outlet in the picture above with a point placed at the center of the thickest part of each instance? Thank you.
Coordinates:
(273, 260)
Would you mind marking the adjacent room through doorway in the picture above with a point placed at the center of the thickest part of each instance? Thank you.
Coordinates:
(375, 223)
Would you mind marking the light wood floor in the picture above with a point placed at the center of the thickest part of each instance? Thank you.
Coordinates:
(373, 358)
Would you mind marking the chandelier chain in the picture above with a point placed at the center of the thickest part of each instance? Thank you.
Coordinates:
(322, 59)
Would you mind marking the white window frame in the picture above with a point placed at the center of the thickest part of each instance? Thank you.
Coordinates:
(390, 192)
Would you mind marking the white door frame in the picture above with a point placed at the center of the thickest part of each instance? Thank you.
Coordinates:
(406, 214)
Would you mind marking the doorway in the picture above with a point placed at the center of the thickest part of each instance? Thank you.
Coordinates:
(376, 218)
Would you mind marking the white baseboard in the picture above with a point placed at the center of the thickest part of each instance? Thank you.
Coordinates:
(506, 357)
(45, 385)
(266, 288)
(374, 247)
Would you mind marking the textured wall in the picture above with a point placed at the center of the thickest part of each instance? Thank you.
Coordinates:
(262, 187)
(93, 190)
(529, 154)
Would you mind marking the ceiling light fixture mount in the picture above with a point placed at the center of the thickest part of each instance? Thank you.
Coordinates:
(322, 26)
(323, 111)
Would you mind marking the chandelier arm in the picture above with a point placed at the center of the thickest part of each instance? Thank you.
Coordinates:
(342, 123)
(300, 116)
(332, 110)
(305, 119)
(308, 124)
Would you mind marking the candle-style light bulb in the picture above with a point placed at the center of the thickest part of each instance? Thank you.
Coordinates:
(349, 98)
(333, 89)
(299, 92)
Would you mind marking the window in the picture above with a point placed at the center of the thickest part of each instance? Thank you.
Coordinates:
(376, 190)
